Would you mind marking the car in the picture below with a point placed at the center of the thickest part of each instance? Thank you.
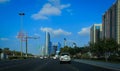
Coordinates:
(65, 57)
(41, 57)
(54, 57)
(45, 57)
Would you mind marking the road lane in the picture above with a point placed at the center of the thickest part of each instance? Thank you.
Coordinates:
(48, 65)
(22, 65)
(55, 65)
(87, 67)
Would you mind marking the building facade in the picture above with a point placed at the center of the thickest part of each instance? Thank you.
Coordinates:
(54, 49)
(50, 48)
(111, 22)
(95, 33)
(47, 43)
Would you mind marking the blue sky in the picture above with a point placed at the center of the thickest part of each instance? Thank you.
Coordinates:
(70, 19)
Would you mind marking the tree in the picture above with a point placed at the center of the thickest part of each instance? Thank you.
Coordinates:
(111, 45)
(118, 50)
(7, 51)
(0, 50)
(104, 47)
(65, 49)
(75, 50)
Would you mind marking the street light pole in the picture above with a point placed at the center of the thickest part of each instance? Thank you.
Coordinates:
(26, 45)
(21, 32)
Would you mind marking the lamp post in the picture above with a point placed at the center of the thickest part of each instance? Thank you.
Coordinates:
(21, 35)
(26, 38)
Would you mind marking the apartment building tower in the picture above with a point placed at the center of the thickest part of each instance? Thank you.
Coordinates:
(111, 22)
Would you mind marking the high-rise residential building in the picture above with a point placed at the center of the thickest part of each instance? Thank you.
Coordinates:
(59, 46)
(42, 51)
(47, 43)
(111, 22)
(65, 40)
(54, 49)
(50, 48)
(95, 33)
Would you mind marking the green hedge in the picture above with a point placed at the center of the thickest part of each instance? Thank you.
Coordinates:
(18, 57)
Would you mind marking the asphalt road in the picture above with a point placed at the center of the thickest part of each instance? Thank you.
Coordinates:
(46, 65)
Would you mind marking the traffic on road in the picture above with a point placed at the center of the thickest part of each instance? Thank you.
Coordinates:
(46, 64)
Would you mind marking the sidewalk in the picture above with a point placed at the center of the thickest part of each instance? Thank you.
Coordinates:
(107, 65)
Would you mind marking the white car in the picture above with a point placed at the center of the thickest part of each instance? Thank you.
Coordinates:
(45, 57)
(41, 57)
(65, 57)
(54, 57)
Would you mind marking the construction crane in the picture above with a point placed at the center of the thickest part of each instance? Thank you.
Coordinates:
(26, 39)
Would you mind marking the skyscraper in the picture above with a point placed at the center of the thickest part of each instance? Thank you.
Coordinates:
(65, 42)
(42, 51)
(47, 42)
(95, 33)
(59, 46)
(54, 49)
(111, 22)
(50, 48)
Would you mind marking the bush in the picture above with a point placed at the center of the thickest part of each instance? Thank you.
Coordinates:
(114, 58)
(16, 57)
(85, 56)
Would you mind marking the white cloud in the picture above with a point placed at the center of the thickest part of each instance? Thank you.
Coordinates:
(65, 6)
(55, 32)
(4, 39)
(84, 31)
(60, 31)
(55, 2)
(3, 1)
(46, 29)
(52, 8)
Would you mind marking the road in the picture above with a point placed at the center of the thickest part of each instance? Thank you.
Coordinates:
(46, 65)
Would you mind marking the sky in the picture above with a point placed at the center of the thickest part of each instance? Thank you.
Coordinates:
(70, 19)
